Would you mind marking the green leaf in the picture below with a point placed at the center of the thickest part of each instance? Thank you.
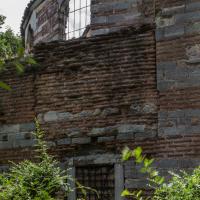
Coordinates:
(126, 154)
(161, 181)
(137, 152)
(154, 173)
(139, 193)
(19, 67)
(148, 162)
(125, 193)
(31, 61)
(20, 52)
(143, 170)
(4, 86)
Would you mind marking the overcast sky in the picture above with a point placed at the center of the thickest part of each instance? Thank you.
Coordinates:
(13, 10)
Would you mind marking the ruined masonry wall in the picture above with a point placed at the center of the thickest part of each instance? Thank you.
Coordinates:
(94, 96)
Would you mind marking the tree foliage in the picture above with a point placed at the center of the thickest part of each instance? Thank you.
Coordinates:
(2, 20)
(9, 42)
(12, 51)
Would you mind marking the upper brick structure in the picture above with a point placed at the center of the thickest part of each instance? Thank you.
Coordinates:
(136, 85)
(46, 20)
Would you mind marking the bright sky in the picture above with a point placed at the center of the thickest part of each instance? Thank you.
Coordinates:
(13, 10)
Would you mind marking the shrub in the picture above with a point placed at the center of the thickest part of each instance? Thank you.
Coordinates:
(181, 186)
(35, 181)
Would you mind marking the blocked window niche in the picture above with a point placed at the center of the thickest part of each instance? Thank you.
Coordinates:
(78, 19)
(98, 177)
(102, 172)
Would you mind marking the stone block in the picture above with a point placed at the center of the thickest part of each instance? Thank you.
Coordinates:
(110, 111)
(40, 118)
(81, 140)
(192, 28)
(172, 10)
(99, 20)
(122, 18)
(122, 5)
(166, 65)
(187, 17)
(162, 22)
(167, 131)
(19, 136)
(73, 132)
(135, 108)
(102, 31)
(9, 129)
(136, 184)
(106, 139)
(64, 116)
(149, 133)
(160, 34)
(174, 31)
(194, 129)
(128, 136)
(166, 85)
(111, 130)
(4, 168)
(28, 127)
(179, 163)
(51, 144)
(6, 145)
(84, 114)
(63, 141)
(130, 128)
(96, 112)
(24, 143)
(149, 108)
(50, 116)
(192, 7)
(192, 113)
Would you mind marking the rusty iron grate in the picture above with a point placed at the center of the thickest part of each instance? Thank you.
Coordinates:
(100, 178)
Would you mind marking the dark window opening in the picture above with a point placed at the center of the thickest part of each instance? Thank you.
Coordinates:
(100, 178)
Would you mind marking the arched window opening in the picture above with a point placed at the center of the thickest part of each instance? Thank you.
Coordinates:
(78, 19)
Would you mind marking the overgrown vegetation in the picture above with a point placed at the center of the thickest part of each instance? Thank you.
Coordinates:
(12, 51)
(43, 180)
(182, 186)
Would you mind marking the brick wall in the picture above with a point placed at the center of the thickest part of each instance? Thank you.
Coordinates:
(86, 91)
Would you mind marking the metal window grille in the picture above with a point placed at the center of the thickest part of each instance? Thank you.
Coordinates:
(78, 19)
(100, 178)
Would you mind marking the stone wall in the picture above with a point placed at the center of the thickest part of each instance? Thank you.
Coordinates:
(178, 69)
(110, 16)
